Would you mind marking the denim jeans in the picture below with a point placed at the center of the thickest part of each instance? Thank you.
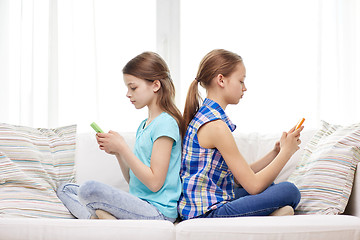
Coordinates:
(262, 204)
(82, 201)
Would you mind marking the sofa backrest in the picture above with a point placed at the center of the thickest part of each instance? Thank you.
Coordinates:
(94, 164)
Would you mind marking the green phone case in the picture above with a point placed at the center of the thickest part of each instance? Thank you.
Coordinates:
(96, 127)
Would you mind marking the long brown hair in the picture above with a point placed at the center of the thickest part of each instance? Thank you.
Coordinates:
(218, 61)
(150, 66)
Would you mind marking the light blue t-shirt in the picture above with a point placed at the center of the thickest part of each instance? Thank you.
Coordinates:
(165, 200)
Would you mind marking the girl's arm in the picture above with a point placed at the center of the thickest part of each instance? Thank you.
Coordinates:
(269, 157)
(266, 160)
(216, 134)
(154, 176)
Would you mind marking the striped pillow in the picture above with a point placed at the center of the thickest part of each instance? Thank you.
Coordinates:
(326, 171)
(33, 162)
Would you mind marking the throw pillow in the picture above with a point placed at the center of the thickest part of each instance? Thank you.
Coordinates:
(326, 171)
(33, 162)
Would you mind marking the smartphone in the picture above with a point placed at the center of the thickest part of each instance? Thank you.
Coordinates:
(96, 127)
(300, 123)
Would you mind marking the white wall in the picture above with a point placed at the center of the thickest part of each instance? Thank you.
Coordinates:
(61, 61)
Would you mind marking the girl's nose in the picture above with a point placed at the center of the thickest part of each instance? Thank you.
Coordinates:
(244, 88)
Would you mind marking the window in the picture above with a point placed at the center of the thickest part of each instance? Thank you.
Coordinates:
(104, 36)
(279, 49)
(61, 61)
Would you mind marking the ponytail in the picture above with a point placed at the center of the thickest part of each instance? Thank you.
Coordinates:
(192, 104)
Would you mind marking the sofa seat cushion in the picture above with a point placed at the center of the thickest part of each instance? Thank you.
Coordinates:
(81, 229)
(309, 227)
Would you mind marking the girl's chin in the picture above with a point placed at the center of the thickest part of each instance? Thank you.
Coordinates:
(236, 101)
(138, 106)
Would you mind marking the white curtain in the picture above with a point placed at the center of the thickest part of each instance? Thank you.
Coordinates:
(23, 34)
(302, 58)
(339, 61)
(49, 58)
(61, 60)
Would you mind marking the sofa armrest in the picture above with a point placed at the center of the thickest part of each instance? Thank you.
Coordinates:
(353, 207)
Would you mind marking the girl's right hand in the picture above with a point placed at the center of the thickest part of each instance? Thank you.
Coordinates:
(111, 142)
(290, 141)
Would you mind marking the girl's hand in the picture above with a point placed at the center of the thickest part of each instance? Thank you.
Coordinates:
(276, 148)
(290, 141)
(111, 142)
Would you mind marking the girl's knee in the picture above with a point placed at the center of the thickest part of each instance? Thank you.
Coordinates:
(292, 191)
(89, 191)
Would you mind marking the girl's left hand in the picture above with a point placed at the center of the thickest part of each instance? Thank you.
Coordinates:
(111, 142)
(277, 147)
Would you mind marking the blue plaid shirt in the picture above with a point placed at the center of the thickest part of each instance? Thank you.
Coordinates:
(207, 180)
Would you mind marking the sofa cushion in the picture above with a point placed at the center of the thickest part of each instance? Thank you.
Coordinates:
(309, 227)
(325, 173)
(33, 162)
(84, 229)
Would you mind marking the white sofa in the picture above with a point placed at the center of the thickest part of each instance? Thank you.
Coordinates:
(92, 163)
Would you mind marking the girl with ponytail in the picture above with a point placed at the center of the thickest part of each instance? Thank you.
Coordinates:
(211, 162)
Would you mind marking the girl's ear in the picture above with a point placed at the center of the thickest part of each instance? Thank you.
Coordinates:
(220, 80)
(156, 85)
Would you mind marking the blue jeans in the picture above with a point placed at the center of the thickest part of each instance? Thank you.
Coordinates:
(82, 201)
(262, 204)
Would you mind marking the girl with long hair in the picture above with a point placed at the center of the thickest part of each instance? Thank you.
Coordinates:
(211, 161)
(152, 170)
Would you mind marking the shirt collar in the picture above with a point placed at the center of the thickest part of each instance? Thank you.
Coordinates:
(214, 105)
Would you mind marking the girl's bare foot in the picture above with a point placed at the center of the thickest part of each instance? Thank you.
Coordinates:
(284, 211)
(104, 215)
